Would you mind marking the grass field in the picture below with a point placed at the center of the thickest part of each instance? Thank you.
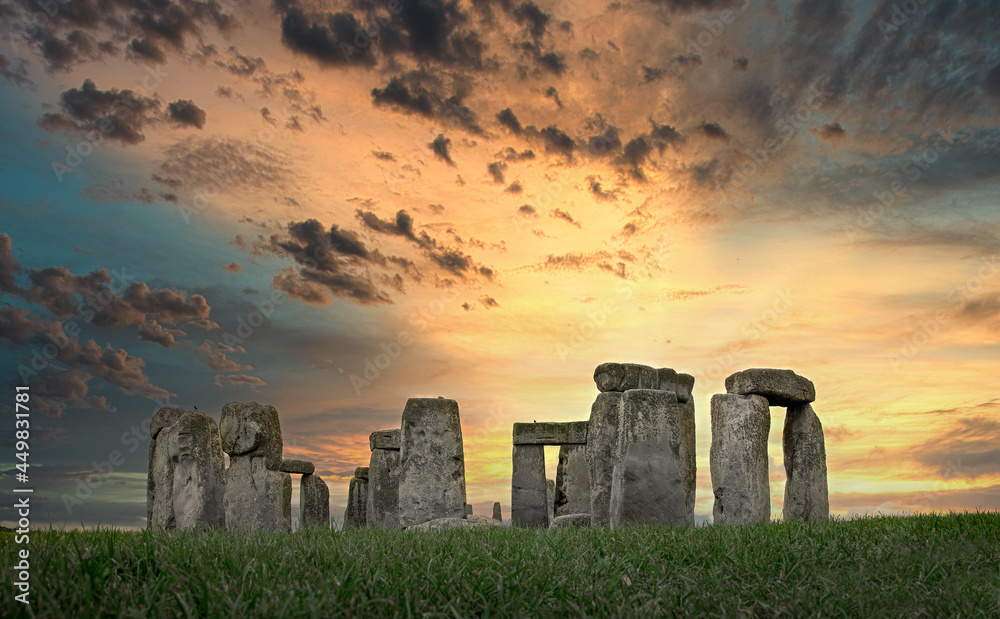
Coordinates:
(927, 565)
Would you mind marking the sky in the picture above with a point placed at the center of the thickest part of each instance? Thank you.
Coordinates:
(333, 206)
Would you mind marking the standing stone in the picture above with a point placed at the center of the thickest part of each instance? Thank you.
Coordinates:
(688, 450)
(738, 458)
(468, 510)
(602, 440)
(314, 502)
(432, 461)
(355, 516)
(186, 479)
(572, 481)
(497, 514)
(199, 473)
(258, 495)
(528, 487)
(806, 495)
(160, 477)
(550, 501)
(382, 508)
(649, 483)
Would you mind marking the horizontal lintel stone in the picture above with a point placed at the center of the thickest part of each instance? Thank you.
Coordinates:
(551, 433)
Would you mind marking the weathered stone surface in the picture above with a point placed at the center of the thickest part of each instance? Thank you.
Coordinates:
(806, 493)
(483, 521)
(690, 472)
(361, 472)
(780, 387)
(570, 520)
(681, 384)
(186, 479)
(160, 475)
(164, 418)
(650, 488)
(550, 501)
(384, 439)
(199, 473)
(252, 429)
(355, 515)
(468, 510)
(650, 477)
(432, 460)
(602, 441)
(257, 498)
(572, 481)
(497, 513)
(314, 502)
(528, 487)
(383, 489)
(738, 458)
(551, 433)
(297, 466)
(160, 482)
(625, 376)
(449, 524)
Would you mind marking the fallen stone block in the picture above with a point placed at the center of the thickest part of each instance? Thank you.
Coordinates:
(806, 493)
(450, 524)
(570, 520)
(432, 461)
(780, 387)
(738, 459)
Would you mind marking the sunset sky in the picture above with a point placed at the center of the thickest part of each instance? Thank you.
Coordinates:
(333, 206)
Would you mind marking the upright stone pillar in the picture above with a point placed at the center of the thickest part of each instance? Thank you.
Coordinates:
(649, 477)
(186, 480)
(806, 494)
(497, 514)
(314, 502)
(355, 516)
(258, 495)
(160, 478)
(550, 501)
(528, 487)
(572, 481)
(383, 479)
(199, 473)
(602, 441)
(738, 458)
(432, 462)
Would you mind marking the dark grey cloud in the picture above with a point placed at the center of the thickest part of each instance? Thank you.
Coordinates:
(147, 50)
(152, 331)
(496, 170)
(969, 449)
(327, 38)
(713, 131)
(15, 72)
(425, 94)
(186, 113)
(440, 146)
(507, 118)
(109, 114)
(563, 215)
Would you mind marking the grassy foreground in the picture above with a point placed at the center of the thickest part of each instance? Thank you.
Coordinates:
(926, 565)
